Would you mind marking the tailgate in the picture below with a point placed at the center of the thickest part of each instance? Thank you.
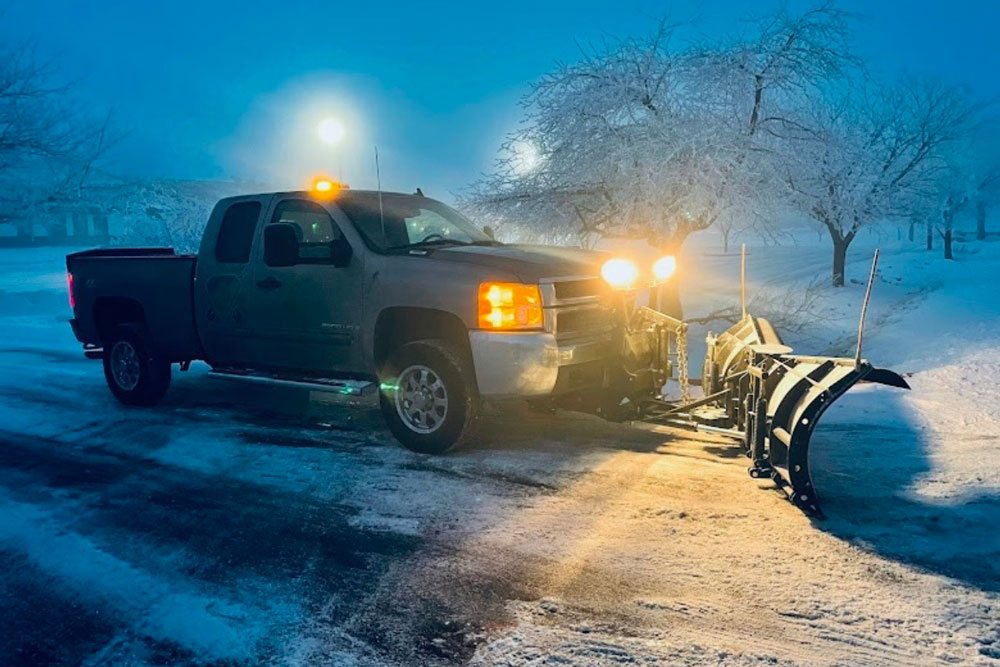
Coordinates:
(152, 285)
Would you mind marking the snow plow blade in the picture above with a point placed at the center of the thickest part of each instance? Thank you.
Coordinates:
(760, 393)
(787, 395)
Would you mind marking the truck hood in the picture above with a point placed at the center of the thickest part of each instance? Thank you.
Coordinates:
(530, 263)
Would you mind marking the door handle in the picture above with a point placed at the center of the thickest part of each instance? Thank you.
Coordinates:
(269, 283)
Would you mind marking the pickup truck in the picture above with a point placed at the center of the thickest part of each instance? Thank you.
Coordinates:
(354, 292)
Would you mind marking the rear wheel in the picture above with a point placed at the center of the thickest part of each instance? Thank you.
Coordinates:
(135, 375)
(427, 396)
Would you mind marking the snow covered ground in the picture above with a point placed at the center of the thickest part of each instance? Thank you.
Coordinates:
(228, 527)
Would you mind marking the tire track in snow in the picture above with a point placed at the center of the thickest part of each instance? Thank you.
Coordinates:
(210, 541)
(209, 628)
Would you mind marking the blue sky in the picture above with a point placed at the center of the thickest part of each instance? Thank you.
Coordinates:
(235, 89)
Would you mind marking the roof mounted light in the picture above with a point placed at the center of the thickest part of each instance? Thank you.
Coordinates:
(327, 187)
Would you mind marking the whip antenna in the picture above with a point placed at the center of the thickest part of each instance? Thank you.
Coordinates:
(378, 181)
(864, 308)
(743, 279)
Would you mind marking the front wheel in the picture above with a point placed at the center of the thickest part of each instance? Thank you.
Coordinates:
(427, 397)
(135, 375)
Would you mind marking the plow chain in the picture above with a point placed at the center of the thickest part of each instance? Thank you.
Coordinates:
(761, 394)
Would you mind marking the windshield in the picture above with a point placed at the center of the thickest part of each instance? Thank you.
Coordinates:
(409, 221)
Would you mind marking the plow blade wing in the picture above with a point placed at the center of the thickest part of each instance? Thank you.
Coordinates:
(797, 391)
(886, 377)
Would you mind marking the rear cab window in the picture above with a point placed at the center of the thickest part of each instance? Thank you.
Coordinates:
(236, 232)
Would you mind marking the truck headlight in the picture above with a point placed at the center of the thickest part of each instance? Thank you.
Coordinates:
(664, 267)
(509, 306)
(620, 273)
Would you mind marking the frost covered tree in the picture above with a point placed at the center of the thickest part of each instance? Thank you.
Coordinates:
(866, 151)
(968, 179)
(620, 150)
(983, 166)
(953, 188)
(47, 145)
(987, 192)
(642, 139)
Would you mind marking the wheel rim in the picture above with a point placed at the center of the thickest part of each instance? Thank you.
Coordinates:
(125, 365)
(421, 399)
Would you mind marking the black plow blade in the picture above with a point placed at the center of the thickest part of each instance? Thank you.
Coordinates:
(770, 399)
(798, 390)
(777, 399)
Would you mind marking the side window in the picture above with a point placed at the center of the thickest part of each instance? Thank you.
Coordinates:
(236, 232)
(312, 225)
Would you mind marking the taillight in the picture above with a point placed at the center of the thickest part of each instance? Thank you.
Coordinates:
(72, 296)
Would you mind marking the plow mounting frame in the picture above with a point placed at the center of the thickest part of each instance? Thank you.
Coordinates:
(761, 394)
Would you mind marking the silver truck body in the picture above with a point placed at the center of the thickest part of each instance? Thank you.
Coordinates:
(320, 319)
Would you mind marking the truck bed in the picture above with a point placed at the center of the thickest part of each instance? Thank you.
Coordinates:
(156, 283)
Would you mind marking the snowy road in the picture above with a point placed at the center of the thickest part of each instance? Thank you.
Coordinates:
(222, 527)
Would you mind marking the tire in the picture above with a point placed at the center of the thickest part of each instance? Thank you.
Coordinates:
(428, 398)
(135, 375)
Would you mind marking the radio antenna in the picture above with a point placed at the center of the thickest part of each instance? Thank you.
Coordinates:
(378, 181)
(743, 280)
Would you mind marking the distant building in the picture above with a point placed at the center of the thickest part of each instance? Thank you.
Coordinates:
(114, 212)
(58, 224)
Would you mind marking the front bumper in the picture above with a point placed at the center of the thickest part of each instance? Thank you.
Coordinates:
(524, 364)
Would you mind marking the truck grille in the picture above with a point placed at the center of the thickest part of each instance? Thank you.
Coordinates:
(574, 321)
(576, 289)
(576, 306)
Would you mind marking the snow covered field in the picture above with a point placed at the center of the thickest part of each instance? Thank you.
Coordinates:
(223, 527)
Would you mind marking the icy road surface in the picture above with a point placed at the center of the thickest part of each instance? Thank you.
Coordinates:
(227, 527)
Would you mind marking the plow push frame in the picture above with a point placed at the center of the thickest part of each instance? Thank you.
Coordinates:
(757, 391)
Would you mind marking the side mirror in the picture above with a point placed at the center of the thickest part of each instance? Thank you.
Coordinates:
(281, 245)
(489, 232)
(340, 252)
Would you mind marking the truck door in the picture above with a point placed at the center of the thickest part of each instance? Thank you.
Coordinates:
(221, 277)
(306, 316)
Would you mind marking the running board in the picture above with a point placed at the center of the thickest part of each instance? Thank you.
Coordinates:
(359, 388)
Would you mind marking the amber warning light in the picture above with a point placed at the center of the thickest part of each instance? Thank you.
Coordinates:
(326, 187)
(509, 306)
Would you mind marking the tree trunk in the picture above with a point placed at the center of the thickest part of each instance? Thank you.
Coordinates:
(980, 220)
(948, 217)
(930, 235)
(839, 260)
(725, 241)
(909, 234)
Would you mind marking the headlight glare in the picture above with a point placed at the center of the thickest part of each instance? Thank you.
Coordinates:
(620, 273)
(664, 267)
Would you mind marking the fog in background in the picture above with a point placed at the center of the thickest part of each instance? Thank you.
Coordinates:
(234, 91)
